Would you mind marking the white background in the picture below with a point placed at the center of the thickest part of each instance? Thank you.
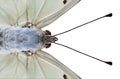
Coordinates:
(100, 39)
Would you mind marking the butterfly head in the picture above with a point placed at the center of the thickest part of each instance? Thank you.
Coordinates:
(48, 39)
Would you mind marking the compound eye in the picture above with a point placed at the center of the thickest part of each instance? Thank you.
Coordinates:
(47, 32)
(47, 45)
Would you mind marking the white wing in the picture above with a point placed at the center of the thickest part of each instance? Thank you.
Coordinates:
(38, 12)
(40, 65)
(12, 66)
(12, 12)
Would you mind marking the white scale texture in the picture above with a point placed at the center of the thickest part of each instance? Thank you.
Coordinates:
(41, 65)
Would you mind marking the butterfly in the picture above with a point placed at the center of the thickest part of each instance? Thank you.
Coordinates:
(22, 40)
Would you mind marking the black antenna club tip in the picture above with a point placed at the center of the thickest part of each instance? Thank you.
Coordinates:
(109, 63)
(109, 15)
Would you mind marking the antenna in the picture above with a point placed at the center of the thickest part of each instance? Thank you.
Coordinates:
(108, 15)
(107, 62)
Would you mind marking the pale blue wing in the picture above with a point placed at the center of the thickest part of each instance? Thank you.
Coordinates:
(40, 65)
(38, 12)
